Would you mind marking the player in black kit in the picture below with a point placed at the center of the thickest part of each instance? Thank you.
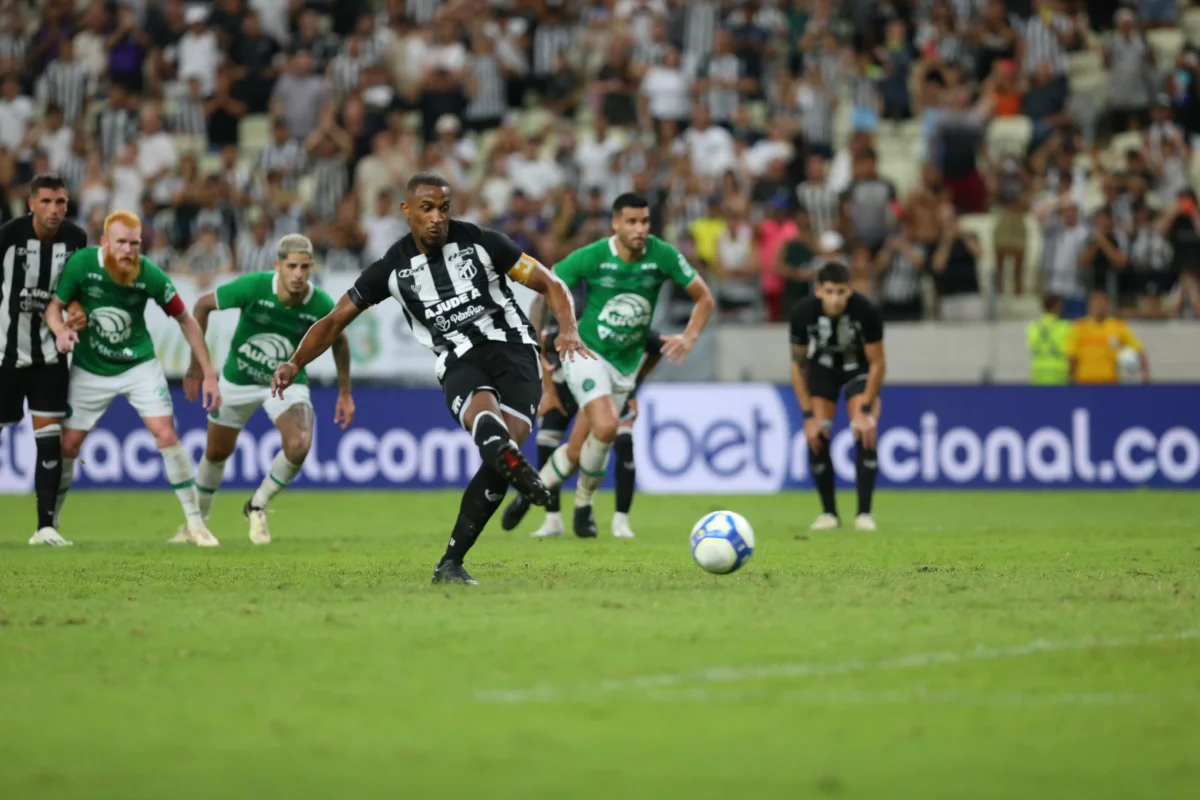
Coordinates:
(450, 279)
(837, 346)
(33, 251)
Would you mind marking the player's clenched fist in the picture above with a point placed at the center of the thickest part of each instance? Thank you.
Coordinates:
(284, 377)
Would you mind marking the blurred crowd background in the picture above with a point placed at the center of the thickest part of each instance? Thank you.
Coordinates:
(966, 157)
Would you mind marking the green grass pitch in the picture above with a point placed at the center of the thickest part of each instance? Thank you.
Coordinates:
(981, 645)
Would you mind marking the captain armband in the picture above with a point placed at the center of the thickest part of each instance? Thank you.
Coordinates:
(523, 269)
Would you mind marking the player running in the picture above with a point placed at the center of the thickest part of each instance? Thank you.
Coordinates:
(33, 251)
(114, 355)
(837, 345)
(557, 409)
(277, 309)
(450, 278)
(624, 275)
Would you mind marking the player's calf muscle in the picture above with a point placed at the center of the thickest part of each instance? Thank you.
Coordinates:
(296, 427)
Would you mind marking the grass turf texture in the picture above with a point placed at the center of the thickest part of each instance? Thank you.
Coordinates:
(326, 665)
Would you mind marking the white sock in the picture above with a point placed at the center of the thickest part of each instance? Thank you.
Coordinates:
(209, 475)
(620, 519)
(182, 477)
(558, 468)
(282, 473)
(593, 463)
(68, 475)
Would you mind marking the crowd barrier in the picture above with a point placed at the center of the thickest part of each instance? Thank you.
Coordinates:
(710, 438)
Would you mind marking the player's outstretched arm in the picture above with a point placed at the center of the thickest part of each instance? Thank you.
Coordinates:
(562, 306)
(343, 410)
(675, 348)
(320, 337)
(209, 390)
(195, 374)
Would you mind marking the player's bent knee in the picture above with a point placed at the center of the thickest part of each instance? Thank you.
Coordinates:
(72, 442)
(605, 430)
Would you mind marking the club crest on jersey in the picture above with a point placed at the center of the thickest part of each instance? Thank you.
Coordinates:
(461, 263)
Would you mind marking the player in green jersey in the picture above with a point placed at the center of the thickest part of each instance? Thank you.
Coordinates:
(114, 355)
(624, 275)
(277, 309)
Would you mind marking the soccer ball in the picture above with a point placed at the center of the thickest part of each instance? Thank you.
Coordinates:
(1129, 365)
(722, 542)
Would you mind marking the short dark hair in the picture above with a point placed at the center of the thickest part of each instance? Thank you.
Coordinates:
(1051, 303)
(833, 272)
(426, 179)
(46, 180)
(629, 200)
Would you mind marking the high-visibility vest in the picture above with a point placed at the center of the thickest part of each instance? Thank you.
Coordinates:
(1047, 338)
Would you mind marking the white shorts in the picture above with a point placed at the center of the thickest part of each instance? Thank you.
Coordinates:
(238, 403)
(589, 378)
(89, 395)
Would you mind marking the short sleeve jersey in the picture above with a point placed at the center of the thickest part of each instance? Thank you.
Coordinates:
(116, 338)
(621, 296)
(268, 332)
(839, 342)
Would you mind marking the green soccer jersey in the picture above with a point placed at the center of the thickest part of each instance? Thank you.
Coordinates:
(268, 332)
(116, 338)
(621, 295)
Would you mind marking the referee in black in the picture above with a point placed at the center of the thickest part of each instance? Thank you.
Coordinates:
(33, 250)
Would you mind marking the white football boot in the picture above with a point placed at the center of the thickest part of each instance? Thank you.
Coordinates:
(620, 526)
(49, 537)
(864, 522)
(259, 532)
(826, 522)
(202, 537)
(181, 536)
(553, 526)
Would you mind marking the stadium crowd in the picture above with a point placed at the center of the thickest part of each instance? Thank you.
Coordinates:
(964, 156)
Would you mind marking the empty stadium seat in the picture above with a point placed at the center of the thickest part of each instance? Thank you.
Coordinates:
(254, 131)
(1009, 135)
(1167, 43)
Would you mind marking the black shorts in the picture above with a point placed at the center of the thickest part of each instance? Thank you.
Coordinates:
(44, 385)
(512, 372)
(827, 383)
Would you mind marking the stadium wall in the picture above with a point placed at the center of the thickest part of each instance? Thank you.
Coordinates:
(710, 438)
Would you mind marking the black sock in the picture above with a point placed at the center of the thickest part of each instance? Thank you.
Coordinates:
(866, 467)
(544, 451)
(47, 475)
(820, 464)
(626, 471)
(490, 435)
(482, 497)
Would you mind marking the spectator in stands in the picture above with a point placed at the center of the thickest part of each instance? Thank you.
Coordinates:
(955, 267)
(896, 57)
(899, 266)
(198, 53)
(821, 202)
(1149, 278)
(958, 139)
(1047, 341)
(298, 96)
(867, 203)
(255, 55)
(995, 39)
(209, 259)
(794, 262)
(774, 232)
(817, 103)
(128, 49)
(739, 292)
(1064, 236)
(709, 146)
(17, 114)
(1180, 224)
(1011, 192)
(255, 249)
(1104, 257)
(1130, 64)
(1094, 342)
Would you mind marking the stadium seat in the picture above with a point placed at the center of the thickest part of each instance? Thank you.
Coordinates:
(1190, 22)
(1122, 142)
(1167, 44)
(254, 131)
(306, 187)
(190, 145)
(1009, 135)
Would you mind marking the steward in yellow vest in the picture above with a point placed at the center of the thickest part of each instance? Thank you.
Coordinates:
(1047, 341)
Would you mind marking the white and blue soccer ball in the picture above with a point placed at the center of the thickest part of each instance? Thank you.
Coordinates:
(722, 542)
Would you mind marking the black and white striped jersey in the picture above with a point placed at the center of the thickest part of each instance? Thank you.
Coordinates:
(454, 299)
(29, 271)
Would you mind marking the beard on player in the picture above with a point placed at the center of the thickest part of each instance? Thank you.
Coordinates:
(123, 269)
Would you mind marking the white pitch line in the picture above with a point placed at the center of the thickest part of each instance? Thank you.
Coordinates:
(819, 697)
(711, 675)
